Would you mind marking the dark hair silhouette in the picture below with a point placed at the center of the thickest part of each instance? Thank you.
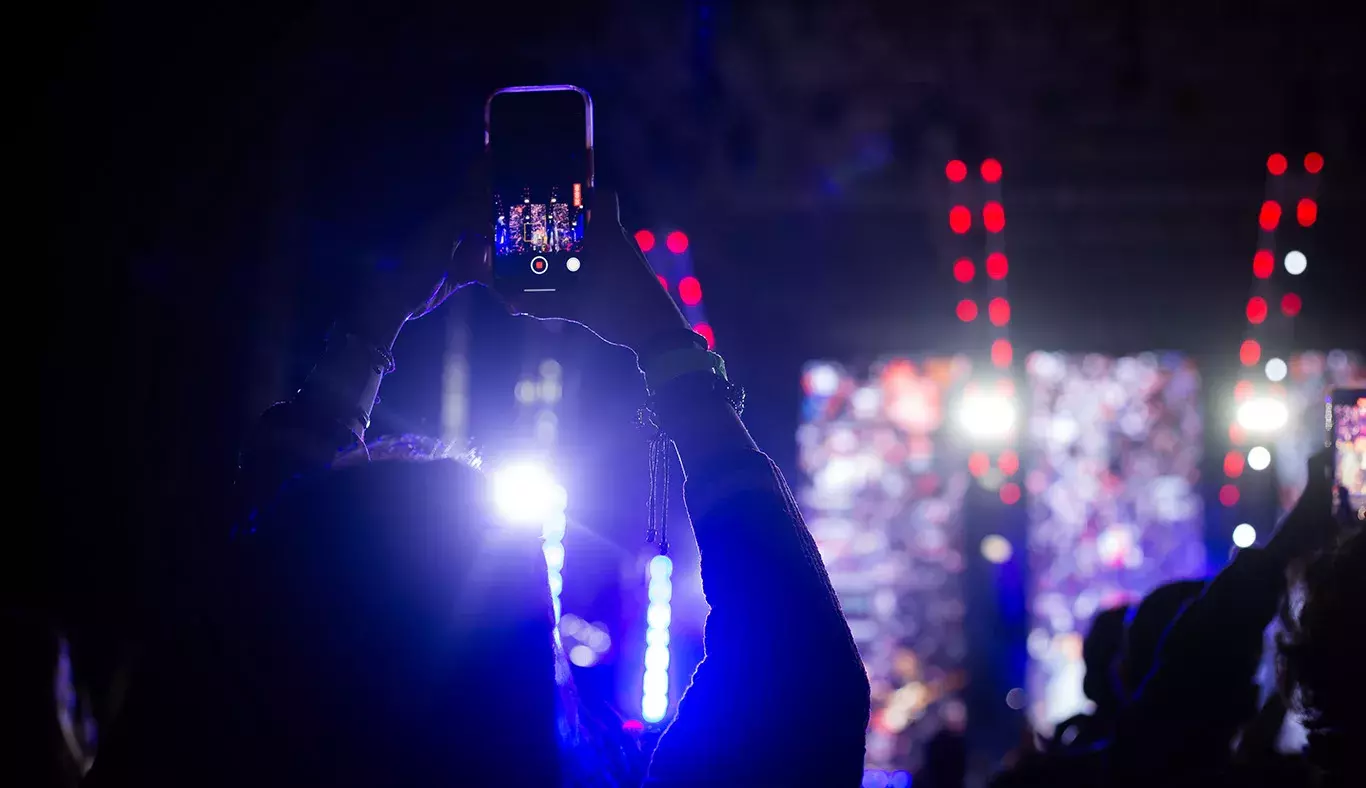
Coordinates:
(1101, 651)
(1148, 624)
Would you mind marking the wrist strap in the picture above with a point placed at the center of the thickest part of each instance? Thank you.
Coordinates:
(674, 364)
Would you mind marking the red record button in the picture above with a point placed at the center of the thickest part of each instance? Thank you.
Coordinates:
(539, 265)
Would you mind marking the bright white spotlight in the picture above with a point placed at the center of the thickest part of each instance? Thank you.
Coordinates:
(1276, 370)
(1295, 263)
(1262, 414)
(1258, 458)
(526, 494)
(986, 416)
(996, 549)
(1244, 535)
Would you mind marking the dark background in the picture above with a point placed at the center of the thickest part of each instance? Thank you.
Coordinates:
(212, 172)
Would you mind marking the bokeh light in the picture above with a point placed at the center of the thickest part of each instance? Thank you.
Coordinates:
(997, 265)
(1276, 164)
(960, 219)
(707, 333)
(991, 171)
(963, 270)
(1228, 495)
(966, 310)
(979, 463)
(1276, 370)
(1001, 352)
(1291, 304)
(645, 240)
(956, 171)
(1008, 462)
(1306, 211)
(1258, 458)
(1263, 263)
(1242, 390)
(1313, 163)
(993, 217)
(998, 310)
(1295, 262)
(996, 548)
(677, 241)
(1244, 535)
(664, 283)
(525, 493)
(1262, 414)
(1249, 352)
(1233, 464)
(986, 416)
(690, 291)
(1010, 493)
(1270, 215)
(1256, 309)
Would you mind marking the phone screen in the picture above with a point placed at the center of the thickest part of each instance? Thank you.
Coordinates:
(540, 152)
(1349, 448)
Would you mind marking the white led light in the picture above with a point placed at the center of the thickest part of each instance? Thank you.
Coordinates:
(1262, 414)
(986, 416)
(1258, 458)
(996, 549)
(1295, 263)
(1244, 535)
(1276, 370)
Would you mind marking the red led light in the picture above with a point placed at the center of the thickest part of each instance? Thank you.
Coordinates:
(705, 330)
(645, 240)
(999, 311)
(1008, 462)
(991, 171)
(1010, 493)
(1001, 352)
(960, 219)
(967, 310)
(1270, 215)
(677, 242)
(690, 290)
(1236, 434)
(1233, 464)
(1306, 211)
(1242, 390)
(1313, 162)
(1263, 263)
(978, 463)
(1291, 304)
(1275, 164)
(664, 283)
(1256, 309)
(997, 265)
(993, 217)
(1250, 352)
(963, 270)
(956, 171)
(1228, 495)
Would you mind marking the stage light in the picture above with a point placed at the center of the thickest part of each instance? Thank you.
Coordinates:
(966, 310)
(996, 549)
(707, 333)
(1262, 414)
(1276, 370)
(1228, 495)
(978, 463)
(1244, 535)
(1270, 215)
(1233, 464)
(1291, 304)
(1001, 352)
(986, 416)
(677, 242)
(1306, 211)
(1313, 163)
(1249, 352)
(1258, 458)
(993, 217)
(1008, 462)
(963, 270)
(1276, 164)
(645, 240)
(956, 171)
(525, 493)
(822, 380)
(583, 656)
(1010, 493)
(999, 311)
(1256, 309)
(1295, 263)
(690, 290)
(997, 265)
(991, 170)
(960, 219)
(1263, 263)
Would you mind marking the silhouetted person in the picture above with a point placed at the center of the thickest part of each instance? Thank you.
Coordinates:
(376, 625)
(1101, 653)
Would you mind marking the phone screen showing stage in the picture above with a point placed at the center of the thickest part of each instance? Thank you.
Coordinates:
(1349, 451)
(540, 153)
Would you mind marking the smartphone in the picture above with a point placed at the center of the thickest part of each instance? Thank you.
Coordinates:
(1344, 416)
(539, 143)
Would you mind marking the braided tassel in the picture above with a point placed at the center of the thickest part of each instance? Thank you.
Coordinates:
(657, 509)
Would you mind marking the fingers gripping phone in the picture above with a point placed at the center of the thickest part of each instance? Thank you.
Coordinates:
(1345, 419)
(539, 144)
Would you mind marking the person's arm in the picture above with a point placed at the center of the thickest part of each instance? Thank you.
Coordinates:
(781, 696)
